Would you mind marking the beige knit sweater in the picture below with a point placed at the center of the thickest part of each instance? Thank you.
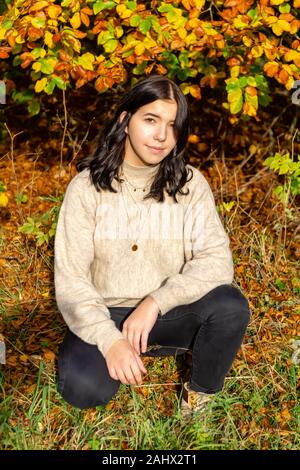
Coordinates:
(183, 250)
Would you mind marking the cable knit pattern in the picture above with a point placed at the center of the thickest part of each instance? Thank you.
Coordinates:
(183, 251)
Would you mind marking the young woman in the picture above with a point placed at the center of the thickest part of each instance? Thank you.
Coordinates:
(143, 265)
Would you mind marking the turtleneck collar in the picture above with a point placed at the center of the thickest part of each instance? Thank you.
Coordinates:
(139, 173)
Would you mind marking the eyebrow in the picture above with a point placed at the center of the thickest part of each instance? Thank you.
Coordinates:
(155, 115)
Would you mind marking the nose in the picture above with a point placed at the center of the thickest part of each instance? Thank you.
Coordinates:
(161, 134)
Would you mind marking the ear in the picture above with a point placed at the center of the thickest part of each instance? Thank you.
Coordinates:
(122, 115)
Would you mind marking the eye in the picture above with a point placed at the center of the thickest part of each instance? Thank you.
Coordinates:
(149, 119)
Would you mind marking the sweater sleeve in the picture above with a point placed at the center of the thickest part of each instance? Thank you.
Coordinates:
(208, 255)
(79, 302)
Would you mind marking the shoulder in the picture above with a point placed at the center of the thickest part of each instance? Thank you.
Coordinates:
(81, 183)
(197, 182)
(81, 179)
(81, 188)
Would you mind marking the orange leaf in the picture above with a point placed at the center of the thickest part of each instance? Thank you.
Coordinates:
(271, 68)
(49, 355)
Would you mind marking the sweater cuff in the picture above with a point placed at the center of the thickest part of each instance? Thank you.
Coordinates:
(108, 339)
(162, 301)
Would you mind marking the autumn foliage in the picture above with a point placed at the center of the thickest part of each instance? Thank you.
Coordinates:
(243, 49)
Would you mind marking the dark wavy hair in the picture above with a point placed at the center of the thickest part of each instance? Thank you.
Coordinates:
(105, 161)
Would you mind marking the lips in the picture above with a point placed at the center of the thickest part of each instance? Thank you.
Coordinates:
(155, 148)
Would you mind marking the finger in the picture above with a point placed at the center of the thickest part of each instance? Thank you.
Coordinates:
(130, 337)
(129, 375)
(141, 364)
(113, 374)
(136, 373)
(136, 342)
(144, 340)
(122, 377)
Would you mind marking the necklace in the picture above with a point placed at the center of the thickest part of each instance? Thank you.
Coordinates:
(134, 246)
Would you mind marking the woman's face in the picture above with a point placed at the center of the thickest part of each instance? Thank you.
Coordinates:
(151, 126)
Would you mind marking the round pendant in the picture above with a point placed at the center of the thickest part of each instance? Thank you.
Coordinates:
(134, 247)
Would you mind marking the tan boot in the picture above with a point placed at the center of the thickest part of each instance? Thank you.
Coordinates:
(194, 402)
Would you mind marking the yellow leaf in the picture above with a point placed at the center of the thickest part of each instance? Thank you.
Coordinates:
(199, 4)
(194, 23)
(182, 33)
(36, 66)
(48, 39)
(276, 29)
(40, 85)
(19, 39)
(271, 20)
(38, 6)
(123, 11)
(209, 30)
(239, 24)
(190, 39)
(2, 33)
(139, 49)
(247, 41)
(100, 58)
(257, 51)
(119, 31)
(75, 20)
(3, 200)
(289, 84)
(54, 11)
(149, 42)
(284, 25)
(235, 71)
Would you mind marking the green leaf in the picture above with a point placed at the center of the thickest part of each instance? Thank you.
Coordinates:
(243, 81)
(34, 109)
(7, 24)
(16, 49)
(110, 45)
(100, 5)
(145, 25)
(38, 22)
(59, 82)
(37, 51)
(131, 5)
(284, 8)
(253, 13)
(49, 87)
(135, 20)
(21, 198)
(86, 60)
(235, 99)
(22, 96)
(251, 81)
(47, 66)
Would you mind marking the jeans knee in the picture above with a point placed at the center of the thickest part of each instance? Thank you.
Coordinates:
(231, 298)
(83, 393)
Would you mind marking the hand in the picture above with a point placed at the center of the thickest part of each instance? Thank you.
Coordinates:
(139, 323)
(124, 364)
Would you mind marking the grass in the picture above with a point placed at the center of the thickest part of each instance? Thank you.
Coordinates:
(257, 409)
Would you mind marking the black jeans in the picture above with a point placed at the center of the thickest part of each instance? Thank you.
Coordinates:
(213, 327)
